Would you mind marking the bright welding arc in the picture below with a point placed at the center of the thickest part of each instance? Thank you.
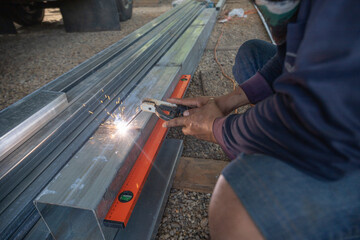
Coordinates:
(122, 126)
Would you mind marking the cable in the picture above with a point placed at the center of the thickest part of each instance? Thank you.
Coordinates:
(252, 11)
(216, 46)
(217, 61)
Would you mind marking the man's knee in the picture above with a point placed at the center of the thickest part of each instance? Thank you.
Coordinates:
(250, 49)
(251, 45)
(228, 218)
(247, 60)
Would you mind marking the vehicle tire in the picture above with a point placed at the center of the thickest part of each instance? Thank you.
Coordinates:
(27, 14)
(125, 9)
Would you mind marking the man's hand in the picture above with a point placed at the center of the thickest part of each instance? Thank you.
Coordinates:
(225, 103)
(195, 102)
(198, 121)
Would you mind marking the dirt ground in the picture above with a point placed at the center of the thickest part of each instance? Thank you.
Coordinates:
(38, 55)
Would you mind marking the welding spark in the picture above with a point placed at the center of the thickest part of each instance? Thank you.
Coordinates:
(121, 126)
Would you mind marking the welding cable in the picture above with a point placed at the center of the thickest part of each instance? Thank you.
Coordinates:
(252, 11)
(217, 61)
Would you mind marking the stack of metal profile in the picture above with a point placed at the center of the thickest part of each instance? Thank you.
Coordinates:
(60, 145)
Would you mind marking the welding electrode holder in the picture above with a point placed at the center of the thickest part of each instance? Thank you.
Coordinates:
(173, 112)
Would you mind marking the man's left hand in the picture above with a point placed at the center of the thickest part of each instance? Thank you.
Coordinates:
(198, 122)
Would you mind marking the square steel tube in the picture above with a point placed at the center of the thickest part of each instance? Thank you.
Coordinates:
(78, 198)
(25, 117)
(188, 49)
(81, 194)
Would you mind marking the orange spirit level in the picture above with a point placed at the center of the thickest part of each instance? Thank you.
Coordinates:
(122, 207)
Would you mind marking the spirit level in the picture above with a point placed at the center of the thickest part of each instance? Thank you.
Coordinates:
(122, 207)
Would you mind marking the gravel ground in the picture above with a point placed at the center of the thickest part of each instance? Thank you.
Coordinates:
(37, 55)
(185, 216)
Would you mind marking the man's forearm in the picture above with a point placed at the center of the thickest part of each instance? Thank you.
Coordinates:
(232, 101)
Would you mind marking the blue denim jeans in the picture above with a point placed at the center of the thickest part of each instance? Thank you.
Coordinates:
(252, 55)
(284, 202)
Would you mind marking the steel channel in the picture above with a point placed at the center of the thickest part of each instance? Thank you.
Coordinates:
(184, 52)
(115, 106)
(89, 198)
(26, 225)
(79, 73)
(23, 174)
(220, 4)
(24, 118)
(79, 104)
(12, 194)
(38, 232)
(159, 79)
(108, 76)
(108, 54)
(76, 92)
(3, 168)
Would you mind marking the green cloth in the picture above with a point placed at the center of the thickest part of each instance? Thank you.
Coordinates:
(277, 15)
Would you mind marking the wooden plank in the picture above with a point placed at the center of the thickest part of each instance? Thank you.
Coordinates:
(198, 175)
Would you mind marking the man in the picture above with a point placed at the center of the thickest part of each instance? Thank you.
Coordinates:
(296, 167)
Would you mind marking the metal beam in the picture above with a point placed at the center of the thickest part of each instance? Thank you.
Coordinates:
(39, 231)
(22, 119)
(220, 4)
(98, 169)
(85, 69)
(63, 145)
(106, 80)
(118, 73)
(187, 51)
(113, 80)
(84, 190)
